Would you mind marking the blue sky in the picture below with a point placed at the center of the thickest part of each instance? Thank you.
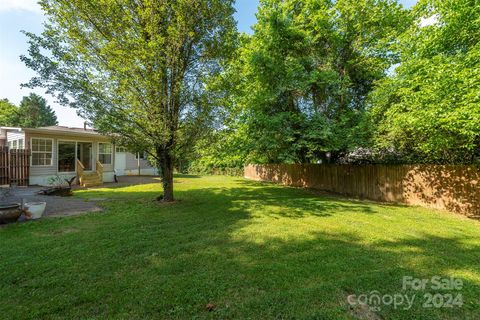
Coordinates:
(16, 15)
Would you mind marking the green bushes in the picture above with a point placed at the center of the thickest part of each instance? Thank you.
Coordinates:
(203, 168)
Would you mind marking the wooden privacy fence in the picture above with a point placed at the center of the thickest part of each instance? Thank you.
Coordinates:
(14, 166)
(452, 187)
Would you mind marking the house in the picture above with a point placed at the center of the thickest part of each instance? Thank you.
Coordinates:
(68, 152)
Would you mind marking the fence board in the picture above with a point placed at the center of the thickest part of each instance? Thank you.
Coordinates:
(454, 188)
(4, 166)
(19, 167)
(14, 166)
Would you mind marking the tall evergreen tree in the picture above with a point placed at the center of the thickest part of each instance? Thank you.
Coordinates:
(34, 112)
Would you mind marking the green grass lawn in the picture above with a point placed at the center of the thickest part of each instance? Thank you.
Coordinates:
(252, 250)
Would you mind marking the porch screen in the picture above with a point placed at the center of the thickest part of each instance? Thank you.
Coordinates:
(66, 156)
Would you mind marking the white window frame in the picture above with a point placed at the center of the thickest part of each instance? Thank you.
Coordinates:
(111, 153)
(120, 149)
(22, 144)
(32, 152)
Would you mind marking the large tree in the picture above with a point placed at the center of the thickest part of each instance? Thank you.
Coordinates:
(34, 112)
(7, 113)
(297, 88)
(429, 111)
(135, 68)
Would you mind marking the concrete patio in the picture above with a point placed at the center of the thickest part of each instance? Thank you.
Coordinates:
(71, 206)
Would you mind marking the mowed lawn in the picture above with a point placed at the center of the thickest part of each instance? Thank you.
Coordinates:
(248, 249)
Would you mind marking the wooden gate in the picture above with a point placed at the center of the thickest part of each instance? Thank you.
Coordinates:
(14, 166)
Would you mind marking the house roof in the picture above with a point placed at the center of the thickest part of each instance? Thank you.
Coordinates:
(67, 129)
(59, 130)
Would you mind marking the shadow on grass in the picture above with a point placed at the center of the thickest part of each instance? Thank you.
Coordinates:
(145, 260)
(288, 202)
(325, 195)
(187, 176)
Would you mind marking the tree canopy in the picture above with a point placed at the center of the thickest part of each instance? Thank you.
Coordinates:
(297, 88)
(362, 80)
(429, 110)
(7, 113)
(33, 112)
(135, 69)
(317, 79)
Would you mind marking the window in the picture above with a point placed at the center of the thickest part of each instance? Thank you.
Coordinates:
(105, 153)
(141, 155)
(15, 144)
(42, 152)
(120, 149)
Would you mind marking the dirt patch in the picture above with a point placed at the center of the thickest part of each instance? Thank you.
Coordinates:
(66, 231)
(98, 199)
(360, 310)
(70, 213)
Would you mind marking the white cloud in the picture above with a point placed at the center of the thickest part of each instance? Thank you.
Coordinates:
(430, 21)
(24, 5)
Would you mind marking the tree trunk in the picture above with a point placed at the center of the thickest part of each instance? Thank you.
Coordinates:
(166, 168)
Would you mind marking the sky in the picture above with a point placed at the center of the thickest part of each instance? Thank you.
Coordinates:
(17, 15)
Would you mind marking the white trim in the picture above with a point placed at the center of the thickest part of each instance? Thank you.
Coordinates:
(61, 132)
(31, 152)
(12, 128)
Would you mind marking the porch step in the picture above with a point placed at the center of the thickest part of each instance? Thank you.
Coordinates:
(91, 180)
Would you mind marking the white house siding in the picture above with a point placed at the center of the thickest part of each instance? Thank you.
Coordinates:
(40, 175)
(131, 167)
